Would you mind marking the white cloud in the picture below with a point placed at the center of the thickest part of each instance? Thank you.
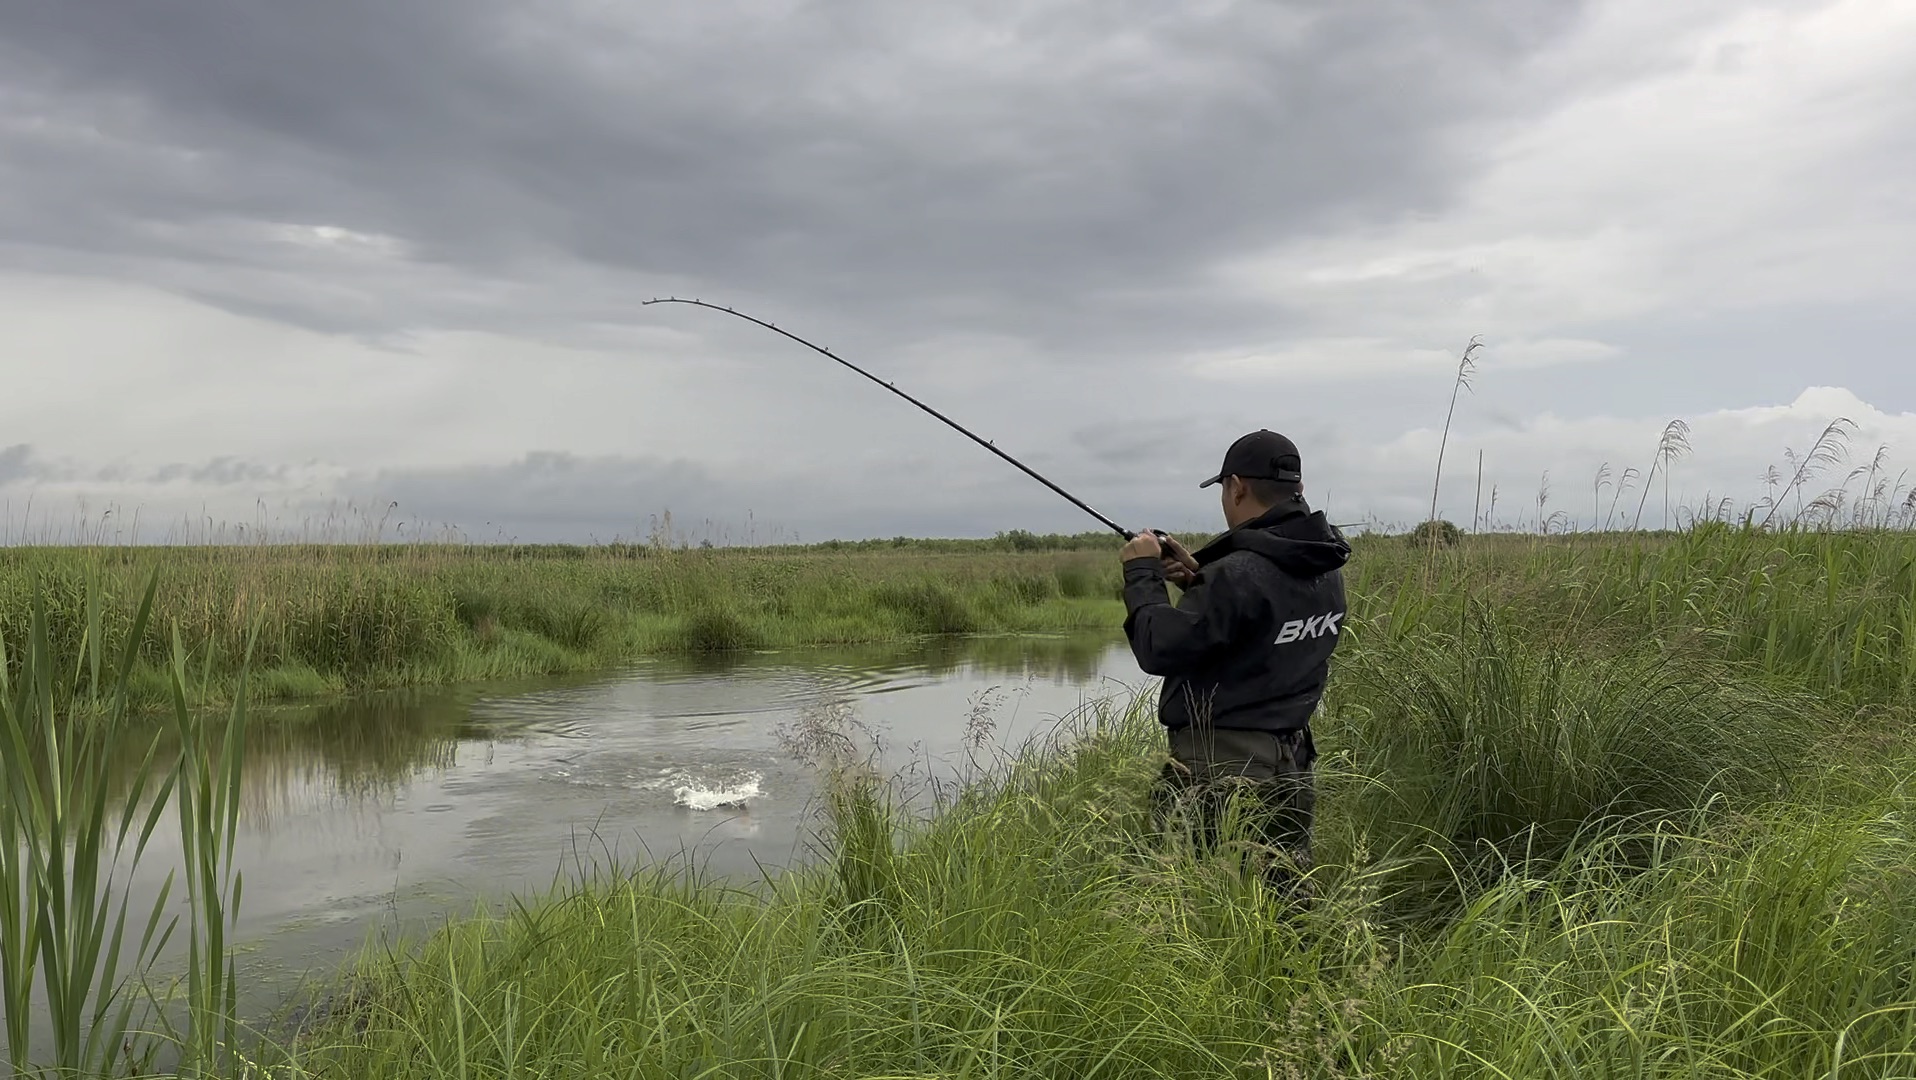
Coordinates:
(1753, 160)
(1622, 216)
(935, 482)
(1344, 359)
(334, 238)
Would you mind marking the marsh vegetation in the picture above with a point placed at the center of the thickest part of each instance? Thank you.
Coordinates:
(1620, 806)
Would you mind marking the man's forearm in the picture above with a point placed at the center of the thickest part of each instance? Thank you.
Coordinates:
(1163, 637)
(1143, 586)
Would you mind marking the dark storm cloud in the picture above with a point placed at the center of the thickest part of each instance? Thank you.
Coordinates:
(1062, 172)
(19, 463)
(543, 496)
(16, 463)
(221, 471)
(552, 496)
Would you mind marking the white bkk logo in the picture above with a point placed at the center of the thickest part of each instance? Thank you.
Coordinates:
(1315, 626)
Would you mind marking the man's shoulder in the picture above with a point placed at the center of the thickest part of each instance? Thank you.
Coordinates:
(1243, 573)
(1231, 564)
(1250, 571)
(1241, 563)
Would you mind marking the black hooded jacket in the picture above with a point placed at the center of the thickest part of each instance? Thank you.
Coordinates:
(1249, 643)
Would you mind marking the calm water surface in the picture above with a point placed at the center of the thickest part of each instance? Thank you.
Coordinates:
(377, 818)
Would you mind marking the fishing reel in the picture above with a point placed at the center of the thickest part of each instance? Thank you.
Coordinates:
(1163, 539)
(1165, 552)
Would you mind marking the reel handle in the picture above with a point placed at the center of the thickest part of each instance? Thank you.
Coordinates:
(1164, 538)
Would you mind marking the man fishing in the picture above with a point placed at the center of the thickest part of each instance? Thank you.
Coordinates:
(1246, 650)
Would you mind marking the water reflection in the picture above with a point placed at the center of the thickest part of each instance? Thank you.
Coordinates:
(1066, 659)
(373, 816)
(369, 749)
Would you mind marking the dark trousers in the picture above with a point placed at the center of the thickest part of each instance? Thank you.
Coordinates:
(1270, 773)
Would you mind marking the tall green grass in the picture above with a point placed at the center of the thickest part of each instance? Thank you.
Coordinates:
(60, 843)
(1830, 612)
(1574, 822)
(332, 620)
(71, 836)
(1624, 808)
(1036, 928)
(1835, 611)
(1491, 745)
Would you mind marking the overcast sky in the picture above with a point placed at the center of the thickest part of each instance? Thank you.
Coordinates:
(289, 264)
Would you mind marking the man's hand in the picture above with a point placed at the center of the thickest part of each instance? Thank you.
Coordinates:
(1180, 568)
(1142, 546)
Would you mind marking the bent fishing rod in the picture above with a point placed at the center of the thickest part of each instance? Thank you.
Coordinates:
(1128, 534)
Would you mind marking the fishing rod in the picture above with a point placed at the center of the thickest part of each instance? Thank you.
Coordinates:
(960, 428)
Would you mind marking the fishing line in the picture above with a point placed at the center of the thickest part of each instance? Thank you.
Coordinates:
(960, 428)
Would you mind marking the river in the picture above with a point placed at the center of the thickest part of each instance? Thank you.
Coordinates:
(372, 820)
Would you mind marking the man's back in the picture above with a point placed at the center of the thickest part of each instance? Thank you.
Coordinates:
(1248, 645)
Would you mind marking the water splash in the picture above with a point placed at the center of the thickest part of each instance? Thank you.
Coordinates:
(697, 795)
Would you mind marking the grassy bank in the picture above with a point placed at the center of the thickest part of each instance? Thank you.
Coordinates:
(342, 618)
(1034, 932)
(1589, 807)
(1624, 809)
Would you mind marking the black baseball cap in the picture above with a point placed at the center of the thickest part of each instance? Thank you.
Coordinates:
(1261, 455)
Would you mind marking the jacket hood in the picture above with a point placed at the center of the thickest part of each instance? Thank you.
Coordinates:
(1301, 543)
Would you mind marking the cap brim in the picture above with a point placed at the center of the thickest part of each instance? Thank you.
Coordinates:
(1213, 480)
